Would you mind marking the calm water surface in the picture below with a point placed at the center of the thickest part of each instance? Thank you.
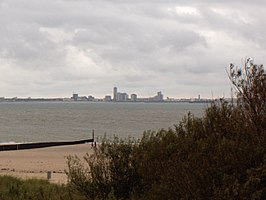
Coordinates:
(28, 122)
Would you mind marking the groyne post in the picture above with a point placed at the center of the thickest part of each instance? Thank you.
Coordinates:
(49, 175)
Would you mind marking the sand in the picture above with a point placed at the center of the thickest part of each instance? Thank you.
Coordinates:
(35, 163)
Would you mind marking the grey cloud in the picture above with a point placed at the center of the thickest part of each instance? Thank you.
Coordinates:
(62, 46)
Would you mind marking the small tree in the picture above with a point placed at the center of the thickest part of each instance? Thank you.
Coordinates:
(250, 85)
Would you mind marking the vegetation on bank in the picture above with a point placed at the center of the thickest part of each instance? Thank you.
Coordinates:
(12, 188)
(218, 156)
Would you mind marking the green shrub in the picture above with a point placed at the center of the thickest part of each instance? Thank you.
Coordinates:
(110, 171)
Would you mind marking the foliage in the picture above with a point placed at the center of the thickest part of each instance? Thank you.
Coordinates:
(110, 171)
(250, 85)
(12, 188)
(219, 156)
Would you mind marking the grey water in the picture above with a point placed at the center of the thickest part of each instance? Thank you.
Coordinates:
(60, 121)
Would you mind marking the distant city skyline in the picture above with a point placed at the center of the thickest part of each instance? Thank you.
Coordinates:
(122, 96)
(182, 48)
(117, 96)
(111, 94)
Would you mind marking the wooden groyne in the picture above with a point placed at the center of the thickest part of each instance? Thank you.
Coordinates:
(21, 146)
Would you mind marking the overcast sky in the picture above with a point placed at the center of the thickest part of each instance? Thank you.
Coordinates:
(52, 48)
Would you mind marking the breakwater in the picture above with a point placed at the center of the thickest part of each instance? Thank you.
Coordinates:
(35, 145)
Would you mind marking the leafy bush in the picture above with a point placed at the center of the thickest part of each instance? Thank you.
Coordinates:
(110, 171)
(219, 156)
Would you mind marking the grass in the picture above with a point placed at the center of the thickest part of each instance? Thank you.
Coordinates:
(12, 188)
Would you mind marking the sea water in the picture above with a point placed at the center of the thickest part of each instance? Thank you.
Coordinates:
(60, 121)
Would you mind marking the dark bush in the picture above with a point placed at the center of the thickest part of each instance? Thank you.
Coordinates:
(109, 172)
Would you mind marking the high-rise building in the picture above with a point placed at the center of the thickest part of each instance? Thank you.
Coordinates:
(115, 94)
(133, 97)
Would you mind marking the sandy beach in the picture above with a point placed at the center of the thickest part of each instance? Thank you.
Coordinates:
(35, 163)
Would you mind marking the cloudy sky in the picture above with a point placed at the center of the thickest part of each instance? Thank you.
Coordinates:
(52, 48)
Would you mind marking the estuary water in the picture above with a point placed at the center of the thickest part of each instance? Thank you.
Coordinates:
(59, 121)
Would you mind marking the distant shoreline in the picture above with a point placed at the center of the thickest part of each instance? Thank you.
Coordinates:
(11, 100)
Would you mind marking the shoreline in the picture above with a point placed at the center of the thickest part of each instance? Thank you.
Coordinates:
(35, 163)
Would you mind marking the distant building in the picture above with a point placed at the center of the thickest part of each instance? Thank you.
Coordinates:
(75, 97)
(133, 97)
(107, 98)
(91, 98)
(115, 94)
(144, 99)
(159, 96)
(122, 96)
(118, 96)
(83, 98)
